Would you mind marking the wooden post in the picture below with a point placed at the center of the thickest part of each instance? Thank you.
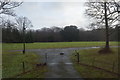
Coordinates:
(23, 66)
(23, 48)
(24, 36)
(78, 57)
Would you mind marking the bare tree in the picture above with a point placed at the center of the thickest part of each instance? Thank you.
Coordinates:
(7, 6)
(23, 22)
(106, 13)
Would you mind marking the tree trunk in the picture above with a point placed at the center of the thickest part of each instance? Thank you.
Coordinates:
(107, 27)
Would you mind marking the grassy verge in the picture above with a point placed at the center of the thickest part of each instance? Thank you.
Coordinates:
(104, 61)
(16, 46)
(12, 65)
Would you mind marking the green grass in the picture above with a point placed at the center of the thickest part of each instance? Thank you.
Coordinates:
(37, 73)
(12, 64)
(88, 55)
(16, 46)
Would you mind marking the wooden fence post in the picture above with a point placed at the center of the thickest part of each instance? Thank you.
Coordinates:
(23, 66)
(78, 57)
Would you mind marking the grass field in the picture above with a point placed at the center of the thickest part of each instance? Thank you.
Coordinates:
(17, 46)
(12, 61)
(12, 64)
(104, 61)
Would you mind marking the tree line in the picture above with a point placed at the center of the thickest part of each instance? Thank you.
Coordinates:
(56, 34)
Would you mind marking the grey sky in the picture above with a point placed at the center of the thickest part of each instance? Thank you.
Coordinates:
(48, 14)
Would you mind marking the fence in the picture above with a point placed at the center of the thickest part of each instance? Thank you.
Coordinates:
(103, 65)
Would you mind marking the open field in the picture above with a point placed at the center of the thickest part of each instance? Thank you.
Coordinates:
(92, 57)
(17, 46)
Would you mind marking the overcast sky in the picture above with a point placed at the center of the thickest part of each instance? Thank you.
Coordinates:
(48, 14)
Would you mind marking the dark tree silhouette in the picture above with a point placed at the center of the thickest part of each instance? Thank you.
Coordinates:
(70, 33)
(12, 34)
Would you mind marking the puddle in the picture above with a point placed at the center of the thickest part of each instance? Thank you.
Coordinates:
(59, 63)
